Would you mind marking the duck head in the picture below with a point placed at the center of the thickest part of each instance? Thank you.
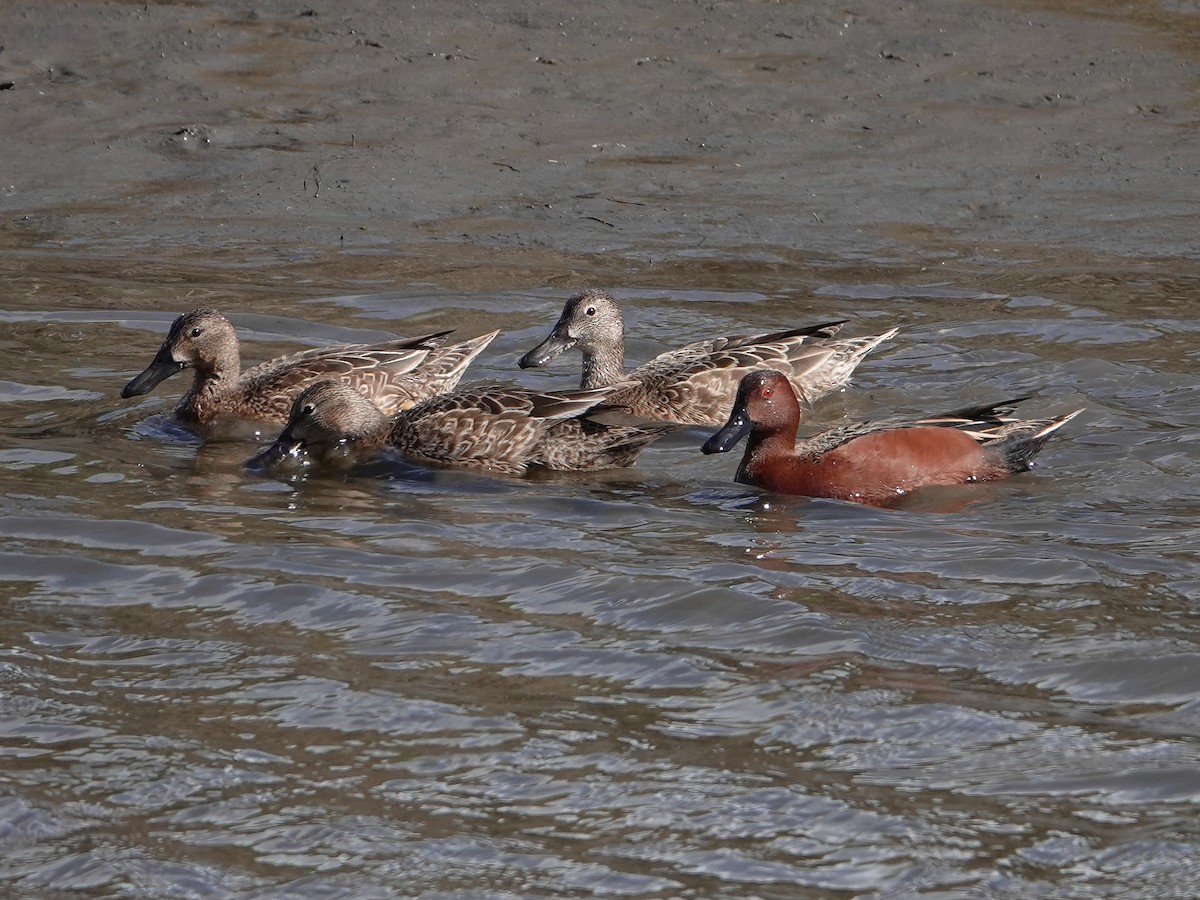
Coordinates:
(590, 320)
(202, 339)
(328, 421)
(766, 403)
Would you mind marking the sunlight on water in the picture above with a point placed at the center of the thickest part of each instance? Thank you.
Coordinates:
(649, 682)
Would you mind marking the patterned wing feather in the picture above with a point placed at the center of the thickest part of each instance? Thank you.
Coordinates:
(468, 437)
(441, 371)
(487, 424)
(579, 445)
(270, 387)
(697, 389)
(696, 384)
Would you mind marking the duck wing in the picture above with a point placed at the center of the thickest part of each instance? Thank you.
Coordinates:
(984, 423)
(439, 372)
(374, 369)
(487, 424)
(696, 384)
(581, 444)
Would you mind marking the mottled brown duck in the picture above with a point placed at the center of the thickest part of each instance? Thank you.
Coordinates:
(395, 374)
(502, 428)
(696, 384)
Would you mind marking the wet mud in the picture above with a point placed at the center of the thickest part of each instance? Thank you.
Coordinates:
(729, 129)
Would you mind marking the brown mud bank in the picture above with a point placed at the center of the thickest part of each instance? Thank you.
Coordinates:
(671, 133)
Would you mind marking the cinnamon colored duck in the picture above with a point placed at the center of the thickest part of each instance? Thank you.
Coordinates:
(502, 428)
(393, 374)
(695, 384)
(873, 462)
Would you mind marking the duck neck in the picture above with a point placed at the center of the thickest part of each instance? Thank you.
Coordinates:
(603, 366)
(761, 447)
(214, 382)
(373, 431)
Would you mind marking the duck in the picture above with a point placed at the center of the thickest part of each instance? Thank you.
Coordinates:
(489, 425)
(695, 384)
(876, 462)
(394, 374)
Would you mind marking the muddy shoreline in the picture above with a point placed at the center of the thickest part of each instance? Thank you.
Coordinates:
(751, 131)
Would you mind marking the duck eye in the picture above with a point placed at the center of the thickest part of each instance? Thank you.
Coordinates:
(307, 409)
(197, 331)
(591, 311)
(766, 390)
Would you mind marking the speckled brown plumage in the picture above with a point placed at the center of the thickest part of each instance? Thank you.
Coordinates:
(393, 374)
(696, 384)
(502, 428)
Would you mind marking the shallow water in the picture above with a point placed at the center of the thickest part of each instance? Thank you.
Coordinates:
(653, 682)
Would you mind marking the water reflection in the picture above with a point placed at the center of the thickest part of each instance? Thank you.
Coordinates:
(652, 682)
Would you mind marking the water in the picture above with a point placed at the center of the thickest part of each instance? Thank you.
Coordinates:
(653, 682)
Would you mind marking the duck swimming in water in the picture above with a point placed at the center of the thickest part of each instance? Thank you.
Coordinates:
(695, 384)
(394, 374)
(873, 462)
(503, 428)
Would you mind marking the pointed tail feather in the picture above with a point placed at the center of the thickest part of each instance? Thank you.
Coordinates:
(1020, 442)
(843, 357)
(983, 413)
(451, 362)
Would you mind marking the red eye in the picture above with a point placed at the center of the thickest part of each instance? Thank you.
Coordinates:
(766, 390)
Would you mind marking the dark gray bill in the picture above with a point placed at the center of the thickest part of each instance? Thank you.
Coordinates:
(286, 452)
(160, 370)
(554, 345)
(738, 426)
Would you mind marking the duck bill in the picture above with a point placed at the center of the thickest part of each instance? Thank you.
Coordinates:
(738, 426)
(553, 346)
(162, 368)
(286, 452)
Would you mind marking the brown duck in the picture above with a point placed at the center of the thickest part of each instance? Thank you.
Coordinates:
(696, 384)
(394, 374)
(502, 428)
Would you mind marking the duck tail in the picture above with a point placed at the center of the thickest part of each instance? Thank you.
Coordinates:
(449, 363)
(990, 413)
(582, 445)
(1018, 443)
(842, 357)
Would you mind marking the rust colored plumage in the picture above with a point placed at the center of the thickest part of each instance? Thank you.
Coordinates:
(873, 462)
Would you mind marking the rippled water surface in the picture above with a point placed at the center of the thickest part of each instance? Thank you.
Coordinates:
(654, 682)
